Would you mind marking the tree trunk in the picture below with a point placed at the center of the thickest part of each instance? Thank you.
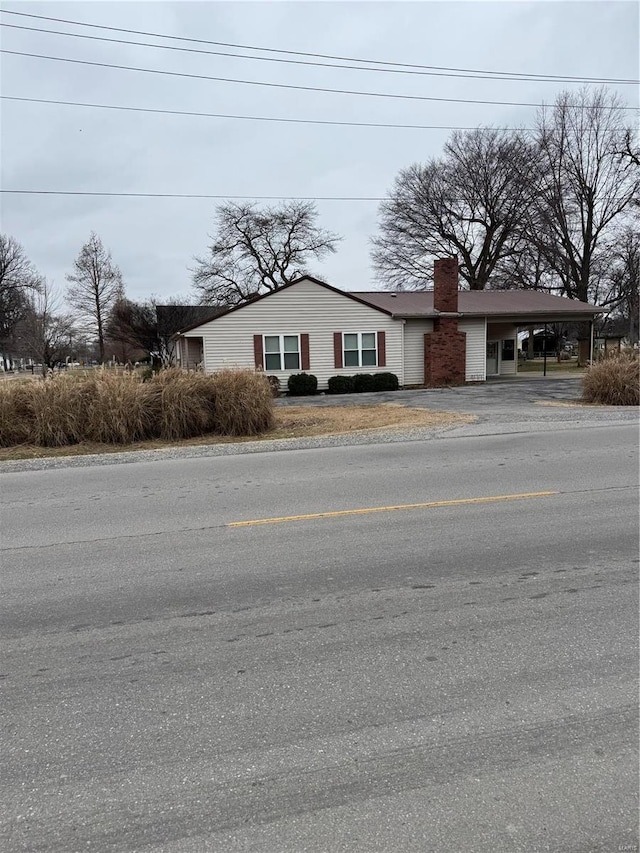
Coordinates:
(584, 344)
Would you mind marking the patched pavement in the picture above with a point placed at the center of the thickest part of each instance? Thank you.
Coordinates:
(503, 405)
(496, 395)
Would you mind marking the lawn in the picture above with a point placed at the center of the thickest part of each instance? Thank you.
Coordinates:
(536, 365)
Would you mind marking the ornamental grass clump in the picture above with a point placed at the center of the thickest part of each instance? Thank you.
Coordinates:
(120, 408)
(57, 409)
(243, 404)
(15, 413)
(185, 403)
(614, 381)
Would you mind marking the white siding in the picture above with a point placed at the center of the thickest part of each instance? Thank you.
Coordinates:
(509, 368)
(476, 361)
(305, 307)
(414, 332)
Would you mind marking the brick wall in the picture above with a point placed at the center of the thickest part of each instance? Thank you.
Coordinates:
(445, 348)
(445, 285)
(445, 351)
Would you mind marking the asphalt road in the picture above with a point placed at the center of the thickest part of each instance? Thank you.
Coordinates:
(451, 677)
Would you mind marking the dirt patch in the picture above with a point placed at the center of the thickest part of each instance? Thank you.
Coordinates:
(299, 421)
(291, 422)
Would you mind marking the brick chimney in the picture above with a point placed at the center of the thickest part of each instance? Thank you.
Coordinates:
(445, 285)
(445, 347)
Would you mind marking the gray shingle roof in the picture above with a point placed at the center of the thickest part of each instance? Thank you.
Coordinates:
(480, 303)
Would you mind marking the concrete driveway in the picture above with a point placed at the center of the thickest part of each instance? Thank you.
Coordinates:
(496, 395)
(499, 406)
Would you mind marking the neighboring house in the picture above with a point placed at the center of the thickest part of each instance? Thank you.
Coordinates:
(619, 329)
(172, 318)
(439, 337)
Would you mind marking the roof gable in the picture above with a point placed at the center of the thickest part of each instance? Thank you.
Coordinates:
(260, 297)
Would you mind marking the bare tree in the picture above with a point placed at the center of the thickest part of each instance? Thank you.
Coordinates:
(149, 327)
(468, 203)
(623, 281)
(631, 152)
(94, 287)
(131, 329)
(255, 250)
(18, 279)
(526, 269)
(584, 187)
(45, 332)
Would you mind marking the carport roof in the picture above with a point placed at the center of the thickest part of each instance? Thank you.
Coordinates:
(517, 305)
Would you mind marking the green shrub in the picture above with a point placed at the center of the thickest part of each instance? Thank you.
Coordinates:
(341, 385)
(385, 382)
(363, 382)
(302, 384)
(614, 381)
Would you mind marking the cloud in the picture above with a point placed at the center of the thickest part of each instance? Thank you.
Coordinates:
(59, 147)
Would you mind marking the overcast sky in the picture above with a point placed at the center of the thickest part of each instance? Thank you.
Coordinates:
(51, 147)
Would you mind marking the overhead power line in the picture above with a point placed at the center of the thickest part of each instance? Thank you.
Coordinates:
(558, 78)
(194, 196)
(313, 63)
(251, 118)
(280, 85)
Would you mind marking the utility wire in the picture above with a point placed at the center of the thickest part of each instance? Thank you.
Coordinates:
(280, 119)
(284, 85)
(558, 78)
(249, 118)
(194, 196)
(464, 76)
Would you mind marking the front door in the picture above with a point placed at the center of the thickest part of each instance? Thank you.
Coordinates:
(492, 358)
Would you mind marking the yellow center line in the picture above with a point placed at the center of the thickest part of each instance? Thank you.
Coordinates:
(372, 509)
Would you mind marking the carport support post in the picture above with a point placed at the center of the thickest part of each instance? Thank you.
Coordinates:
(544, 351)
(591, 342)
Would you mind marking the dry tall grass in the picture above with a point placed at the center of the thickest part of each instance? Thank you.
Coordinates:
(614, 381)
(121, 408)
(56, 411)
(15, 426)
(243, 404)
(183, 403)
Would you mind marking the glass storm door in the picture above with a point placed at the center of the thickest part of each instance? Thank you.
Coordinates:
(492, 358)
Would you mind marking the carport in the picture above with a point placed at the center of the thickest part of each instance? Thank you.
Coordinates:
(490, 321)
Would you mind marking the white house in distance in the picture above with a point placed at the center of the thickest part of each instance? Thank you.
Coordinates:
(444, 336)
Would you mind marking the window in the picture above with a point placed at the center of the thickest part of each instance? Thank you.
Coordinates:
(508, 350)
(360, 349)
(282, 352)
